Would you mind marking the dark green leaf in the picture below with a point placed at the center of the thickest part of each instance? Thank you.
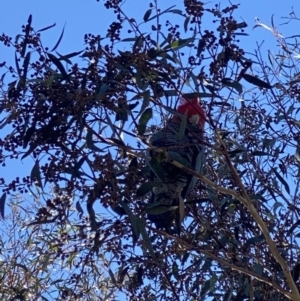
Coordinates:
(122, 273)
(241, 25)
(118, 142)
(27, 32)
(146, 101)
(198, 94)
(112, 277)
(182, 127)
(17, 65)
(233, 84)
(282, 180)
(256, 81)
(171, 93)
(147, 14)
(177, 157)
(186, 23)
(119, 210)
(90, 143)
(46, 28)
(297, 153)
(260, 153)
(254, 240)
(133, 221)
(207, 265)
(25, 65)
(276, 206)
(59, 40)
(129, 40)
(121, 114)
(79, 209)
(146, 239)
(58, 64)
(296, 272)
(208, 285)
(176, 11)
(176, 45)
(68, 56)
(2, 204)
(175, 270)
(166, 10)
(157, 168)
(28, 135)
(146, 116)
(31, 149)
(132, 106)
(138, 44)
(152, 53)
(228, 294)
(35, 175)
(146, 188)
(200, 48)
(241, 34)
(258, 269)
(159, 209)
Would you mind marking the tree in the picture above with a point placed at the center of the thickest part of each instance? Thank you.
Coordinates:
(85, 125)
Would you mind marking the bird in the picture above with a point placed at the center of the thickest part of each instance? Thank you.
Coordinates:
(182, 140)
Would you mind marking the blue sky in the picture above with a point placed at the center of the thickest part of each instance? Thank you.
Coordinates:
(90, 16)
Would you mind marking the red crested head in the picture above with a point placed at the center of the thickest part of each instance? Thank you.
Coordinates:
(195, 112)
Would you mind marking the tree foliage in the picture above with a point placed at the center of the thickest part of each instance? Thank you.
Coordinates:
(83, 120)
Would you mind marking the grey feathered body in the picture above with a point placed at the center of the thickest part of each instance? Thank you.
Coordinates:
(176, 183)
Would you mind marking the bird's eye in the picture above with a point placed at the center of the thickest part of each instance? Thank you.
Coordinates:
(194, 119)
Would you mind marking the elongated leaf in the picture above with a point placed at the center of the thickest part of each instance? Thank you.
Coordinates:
(233, 84)
(208, 285)
(133, 220)
(79, 209)
(35, 175)
(182, 127)
(177, 12)
(146, 238)
(31, 149)
(160, 209)
(157, 168)
(27, 32)
(200, 48)
(133, 106)
(138, 44)
(177, 157)
(198, 94)
(258, 269)
(2, 204)
(46, 28)
(129, 40)
(254, 240)
(122, 273)
(58, 64)
(176, 45)
(282, 180)
(68, 56)
(260, 153)
(26, 64)
(146, 116)
(146, 188)
(59, 40)
(161, 13)
(90, 143)
(147, 14)
(186, 23)
(17, 65)
(256, 81)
